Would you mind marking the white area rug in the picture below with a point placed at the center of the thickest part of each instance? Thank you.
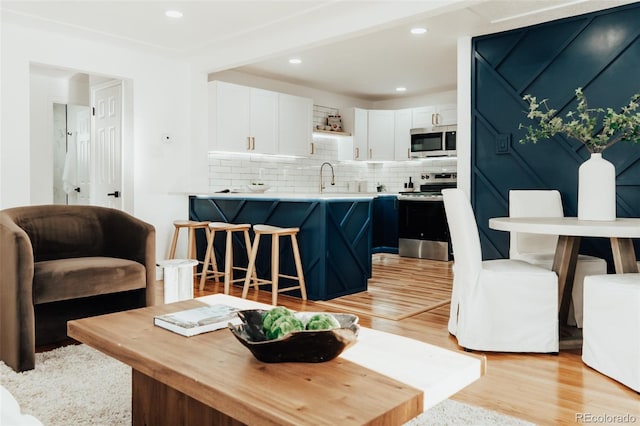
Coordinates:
(77, 385)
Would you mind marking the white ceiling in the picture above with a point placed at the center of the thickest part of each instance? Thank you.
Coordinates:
(357, 48)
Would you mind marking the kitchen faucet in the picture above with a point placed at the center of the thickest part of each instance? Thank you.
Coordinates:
(333, 176)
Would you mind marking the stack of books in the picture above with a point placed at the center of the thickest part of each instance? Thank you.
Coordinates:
(198, 320)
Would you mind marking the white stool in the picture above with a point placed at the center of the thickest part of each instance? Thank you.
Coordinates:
(178, 279)
(611, 329)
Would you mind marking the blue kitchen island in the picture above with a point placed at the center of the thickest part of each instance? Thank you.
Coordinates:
(334, 238)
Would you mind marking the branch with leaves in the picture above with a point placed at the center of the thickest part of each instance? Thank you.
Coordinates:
(596, 128)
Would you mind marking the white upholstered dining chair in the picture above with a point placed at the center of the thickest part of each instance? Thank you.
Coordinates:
(540, 249)
(611, 333)
(501, 305)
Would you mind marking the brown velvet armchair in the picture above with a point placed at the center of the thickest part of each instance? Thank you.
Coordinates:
(60, 263)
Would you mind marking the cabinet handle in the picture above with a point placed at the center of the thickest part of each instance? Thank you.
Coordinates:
(248, 143)
(408, 152)
(253, 143)
(370, 153)
(313, 148)
(357, 152)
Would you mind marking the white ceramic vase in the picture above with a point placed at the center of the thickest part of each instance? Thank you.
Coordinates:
(597, 189)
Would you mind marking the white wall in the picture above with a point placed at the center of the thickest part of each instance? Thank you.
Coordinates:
(334, 100)
(320, 97)
(160, 103)
(437, 98)
(463, 136)
(79, 90)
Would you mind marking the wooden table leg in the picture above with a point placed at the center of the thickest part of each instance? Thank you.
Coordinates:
(564, 264)
(154, 403)
(624, 255)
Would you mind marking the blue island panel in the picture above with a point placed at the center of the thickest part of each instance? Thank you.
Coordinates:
(334, 238)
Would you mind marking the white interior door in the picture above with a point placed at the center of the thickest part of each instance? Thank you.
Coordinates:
(106, 188)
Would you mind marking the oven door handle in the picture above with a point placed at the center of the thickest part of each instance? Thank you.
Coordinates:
(414, 198)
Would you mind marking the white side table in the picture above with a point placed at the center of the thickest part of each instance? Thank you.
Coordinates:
(178, 279)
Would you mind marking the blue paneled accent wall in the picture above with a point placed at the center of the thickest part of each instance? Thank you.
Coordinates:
(599, 52)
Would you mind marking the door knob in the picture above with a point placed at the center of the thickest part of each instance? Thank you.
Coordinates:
(114, 194)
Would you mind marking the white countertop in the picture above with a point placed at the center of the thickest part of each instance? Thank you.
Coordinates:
(293, 195)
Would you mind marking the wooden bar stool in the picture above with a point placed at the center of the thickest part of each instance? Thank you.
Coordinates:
(276, 233)
(191, 226)
(210, 256)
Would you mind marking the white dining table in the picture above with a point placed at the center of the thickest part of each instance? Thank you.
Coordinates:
(570, 230)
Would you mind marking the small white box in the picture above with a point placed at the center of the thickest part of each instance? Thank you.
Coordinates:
(178, 279)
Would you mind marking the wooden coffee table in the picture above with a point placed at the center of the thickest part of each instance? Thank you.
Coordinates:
(212, 379)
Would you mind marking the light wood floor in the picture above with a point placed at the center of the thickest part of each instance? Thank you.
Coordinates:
(543, 389)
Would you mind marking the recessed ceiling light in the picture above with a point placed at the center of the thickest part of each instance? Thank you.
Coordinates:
(173, 14)
(295, 61)
(401, 89)
(418, 30)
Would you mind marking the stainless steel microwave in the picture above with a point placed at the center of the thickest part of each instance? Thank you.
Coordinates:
(433, 142)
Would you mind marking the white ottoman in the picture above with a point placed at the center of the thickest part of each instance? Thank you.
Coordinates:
(611, 328)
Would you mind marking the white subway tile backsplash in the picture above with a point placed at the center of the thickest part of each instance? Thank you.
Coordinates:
(300, 175)
(221, 169)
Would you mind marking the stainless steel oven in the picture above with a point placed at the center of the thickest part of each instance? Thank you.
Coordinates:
(422, 223)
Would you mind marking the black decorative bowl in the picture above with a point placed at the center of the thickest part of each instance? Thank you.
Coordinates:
(299, 346)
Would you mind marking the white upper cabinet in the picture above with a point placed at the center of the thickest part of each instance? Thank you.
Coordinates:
(264, 121)
(431, 116)
(372, 134)
(296, 123)
(229, 117)
(447, 115)
(381, 135)
(242, 119)
(247, 119)
(402, 134)
(354, 121)
(423, 117)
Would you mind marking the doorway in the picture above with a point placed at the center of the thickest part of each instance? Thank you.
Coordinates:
(65, 158)
(71, 154)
